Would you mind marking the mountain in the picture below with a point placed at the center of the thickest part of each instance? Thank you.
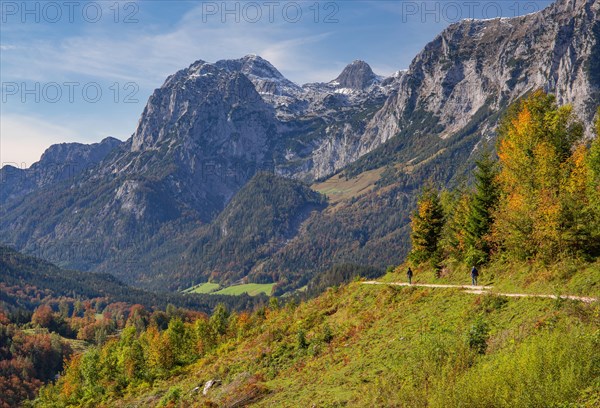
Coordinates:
(147, 210)
(475, 68)
(260, 220)
(356, 76)
(264, 215)
(59, 162)
(243, 114)
(202, 136)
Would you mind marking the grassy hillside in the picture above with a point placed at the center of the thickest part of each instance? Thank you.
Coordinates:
(206, 287)
(252, 289)
(363, 345)
(339, 188)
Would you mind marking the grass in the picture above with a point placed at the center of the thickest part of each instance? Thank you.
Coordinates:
(78, 346)
(402, 346)
(253, 289)
(338, 189)
(408, 347)
(205, 288)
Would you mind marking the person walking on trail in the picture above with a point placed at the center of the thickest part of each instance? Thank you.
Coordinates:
(409, 275)
(474, 275)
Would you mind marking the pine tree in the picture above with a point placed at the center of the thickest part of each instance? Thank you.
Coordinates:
(482, 204)
(427, 224)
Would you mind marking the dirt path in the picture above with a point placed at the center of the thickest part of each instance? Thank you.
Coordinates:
(477, 290)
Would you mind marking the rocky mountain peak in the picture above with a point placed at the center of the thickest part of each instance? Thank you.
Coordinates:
(180, 109)
(77, 153)
(255, 65)
(357, 75)
(265, 77)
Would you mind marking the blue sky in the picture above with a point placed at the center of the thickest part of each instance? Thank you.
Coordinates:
(83, 70)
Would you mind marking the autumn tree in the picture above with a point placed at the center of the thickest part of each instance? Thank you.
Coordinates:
(159, 352)
(427, 223)
(205, 337)
(219, 320)
(591, 209)
(110, 369)
(42, 316)
(455, 204)
(181, 341)
(535, 153)
(64, 308)
(90, 367)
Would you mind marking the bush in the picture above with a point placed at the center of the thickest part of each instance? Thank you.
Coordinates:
(301, 341)
(478, 336)
(327, 334)
(171, 397)
(493, 302)
(475, 256)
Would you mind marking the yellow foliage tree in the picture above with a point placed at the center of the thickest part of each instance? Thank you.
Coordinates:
(427, 223)
(538, 172)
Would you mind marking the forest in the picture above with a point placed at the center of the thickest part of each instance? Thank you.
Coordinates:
(48, 314)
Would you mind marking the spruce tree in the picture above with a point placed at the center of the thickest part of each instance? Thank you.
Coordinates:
(482, 204)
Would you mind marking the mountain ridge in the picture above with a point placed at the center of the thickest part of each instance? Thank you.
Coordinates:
(59, 162)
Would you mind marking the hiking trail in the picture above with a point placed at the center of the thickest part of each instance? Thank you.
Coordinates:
(477, 290)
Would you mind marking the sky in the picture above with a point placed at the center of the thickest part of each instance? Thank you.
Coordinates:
(79, 71)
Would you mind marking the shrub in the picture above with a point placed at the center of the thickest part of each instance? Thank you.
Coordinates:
(327, 334)
(478, 336)
(171, 397)
(301, 341)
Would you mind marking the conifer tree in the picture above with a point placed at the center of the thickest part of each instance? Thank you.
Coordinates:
(482, 204)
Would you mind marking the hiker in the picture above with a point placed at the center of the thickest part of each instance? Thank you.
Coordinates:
(474, 275)
(409, 275)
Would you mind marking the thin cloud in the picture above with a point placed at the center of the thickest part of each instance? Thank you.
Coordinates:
(147, 57)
